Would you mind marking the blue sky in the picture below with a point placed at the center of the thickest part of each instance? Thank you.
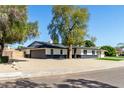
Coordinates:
(106, 23)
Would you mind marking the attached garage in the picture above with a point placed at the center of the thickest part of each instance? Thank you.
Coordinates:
(37, 53)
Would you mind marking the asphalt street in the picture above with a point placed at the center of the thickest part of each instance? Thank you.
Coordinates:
(109, 78)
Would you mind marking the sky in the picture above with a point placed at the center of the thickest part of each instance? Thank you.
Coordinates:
(106, 23)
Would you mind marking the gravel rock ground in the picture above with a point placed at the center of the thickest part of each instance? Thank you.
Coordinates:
(23, 68)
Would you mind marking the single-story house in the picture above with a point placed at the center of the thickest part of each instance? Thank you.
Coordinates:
(119, 51)
(47, 50)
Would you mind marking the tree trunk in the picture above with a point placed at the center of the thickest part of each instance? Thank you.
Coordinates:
(2, 48)
(70, 52)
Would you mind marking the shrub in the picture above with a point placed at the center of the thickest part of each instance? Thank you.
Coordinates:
(110, 51)
(4, 59)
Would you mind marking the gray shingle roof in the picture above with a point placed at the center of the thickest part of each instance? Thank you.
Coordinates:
(39, 44)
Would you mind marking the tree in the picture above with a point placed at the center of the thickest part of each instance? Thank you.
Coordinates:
(14, 27)
(89, 43)
(68, 25)
(110, 51)
(20, 47)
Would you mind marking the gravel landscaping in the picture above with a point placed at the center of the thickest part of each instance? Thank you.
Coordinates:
(45, 67)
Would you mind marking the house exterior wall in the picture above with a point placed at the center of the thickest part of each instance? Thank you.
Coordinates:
(101, 54)
(82, 51)
(38, 46)
(55, 51)
(48, 51)
(27, 51)
(96, 52)
(64, 51)
(78, 51)
(89, 52)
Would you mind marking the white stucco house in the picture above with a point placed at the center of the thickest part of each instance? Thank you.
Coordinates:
(45, 50)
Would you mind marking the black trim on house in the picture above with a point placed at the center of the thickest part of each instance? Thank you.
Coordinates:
(87, 56)
(56, 56)
(44, 45)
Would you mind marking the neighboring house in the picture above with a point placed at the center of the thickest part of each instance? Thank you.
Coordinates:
(47, 50)
(120, 51)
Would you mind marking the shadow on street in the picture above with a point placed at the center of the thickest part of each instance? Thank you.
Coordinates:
(69, 83)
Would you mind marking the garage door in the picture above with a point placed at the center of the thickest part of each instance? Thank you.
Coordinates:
(38, 53)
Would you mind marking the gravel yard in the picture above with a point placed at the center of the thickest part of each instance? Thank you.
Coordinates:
(45, 67)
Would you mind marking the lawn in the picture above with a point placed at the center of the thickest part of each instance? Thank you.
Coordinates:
(120, 58)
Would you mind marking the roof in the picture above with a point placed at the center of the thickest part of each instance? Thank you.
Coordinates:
(39, 44)
(85, 47)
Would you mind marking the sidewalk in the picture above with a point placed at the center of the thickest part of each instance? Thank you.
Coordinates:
(44, 67)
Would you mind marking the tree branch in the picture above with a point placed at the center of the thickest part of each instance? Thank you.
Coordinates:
(72, 27)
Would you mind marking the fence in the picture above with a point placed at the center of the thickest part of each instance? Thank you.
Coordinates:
(13, 54)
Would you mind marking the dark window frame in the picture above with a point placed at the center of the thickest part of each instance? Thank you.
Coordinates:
(61, 52)
(51, 52)
(85, 52)
(93, 52)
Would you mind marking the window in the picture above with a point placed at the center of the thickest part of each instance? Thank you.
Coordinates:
(51, 51)
(61, 52)
(93, 52)
(85, 52)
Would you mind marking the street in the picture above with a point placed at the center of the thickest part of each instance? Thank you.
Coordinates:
(109, 78)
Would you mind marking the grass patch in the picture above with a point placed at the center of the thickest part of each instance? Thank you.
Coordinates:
(111, 58)
(120, 57)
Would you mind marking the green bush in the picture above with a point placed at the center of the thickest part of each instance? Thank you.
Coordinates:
(110, 51)
(4, 59)
(88, 43)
